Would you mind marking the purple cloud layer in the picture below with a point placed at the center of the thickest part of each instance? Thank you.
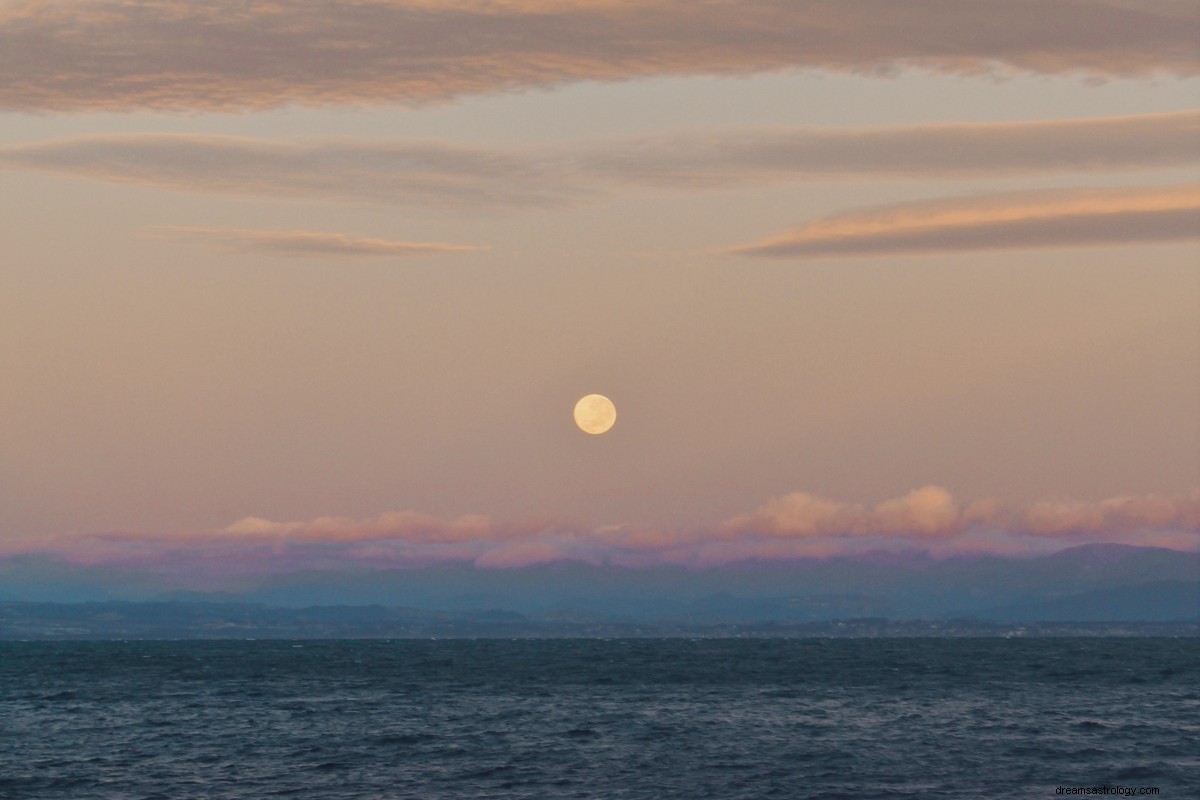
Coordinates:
(792, 526)
(110, 55)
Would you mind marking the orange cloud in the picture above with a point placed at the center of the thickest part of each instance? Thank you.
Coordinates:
(407, 526)
(105, 55)
(1050, 218)
(929, 511)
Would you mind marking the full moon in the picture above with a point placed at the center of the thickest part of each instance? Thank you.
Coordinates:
(595, 414)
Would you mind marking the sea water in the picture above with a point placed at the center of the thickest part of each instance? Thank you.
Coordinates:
(637, 718)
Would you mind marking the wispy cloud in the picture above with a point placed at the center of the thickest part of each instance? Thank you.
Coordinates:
(915, 151)
(304, 243)
(228, 54)
(410, 173)
(796, 525)
(433, 174)
(1051, 218)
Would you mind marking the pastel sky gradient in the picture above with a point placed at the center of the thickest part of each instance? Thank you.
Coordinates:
(286, 284)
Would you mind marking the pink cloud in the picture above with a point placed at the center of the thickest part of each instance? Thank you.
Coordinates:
(1115, 516)
(795, 525)
(522, 554)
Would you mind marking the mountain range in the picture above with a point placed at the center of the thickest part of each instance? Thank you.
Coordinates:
(1088, 583)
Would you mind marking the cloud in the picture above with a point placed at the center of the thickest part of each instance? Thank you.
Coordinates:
(305, 243)
(521, 555)
(795, 525)
(406, 526)
(426, 174)
(1115, 516)
(221, 55)
(928, 511)
(1050, 218)
(929, 517)
(914, 151)
(410, 173)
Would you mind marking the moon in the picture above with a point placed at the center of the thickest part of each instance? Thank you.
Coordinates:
(595, 414)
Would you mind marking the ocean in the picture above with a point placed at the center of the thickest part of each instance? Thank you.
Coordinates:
(633, 718)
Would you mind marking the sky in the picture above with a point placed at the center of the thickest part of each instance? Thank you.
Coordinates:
(292, 283)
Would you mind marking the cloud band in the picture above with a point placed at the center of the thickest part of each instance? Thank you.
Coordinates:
(1051, 218)
(109, 55)
(795, 525)
(434, 174)
(305, 243)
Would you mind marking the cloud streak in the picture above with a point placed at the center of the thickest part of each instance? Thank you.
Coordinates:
(406, 173)
(1051, 218)
(914, 151)
(223, 55)
(305, 243)
(432, 174)
(796, 525)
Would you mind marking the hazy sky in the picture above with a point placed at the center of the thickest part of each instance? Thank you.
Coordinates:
(286, 275)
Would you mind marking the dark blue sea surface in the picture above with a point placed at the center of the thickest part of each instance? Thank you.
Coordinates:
(677, 718)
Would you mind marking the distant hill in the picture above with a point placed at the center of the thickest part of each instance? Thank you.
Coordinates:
(1100, 582)
(1160, 600)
